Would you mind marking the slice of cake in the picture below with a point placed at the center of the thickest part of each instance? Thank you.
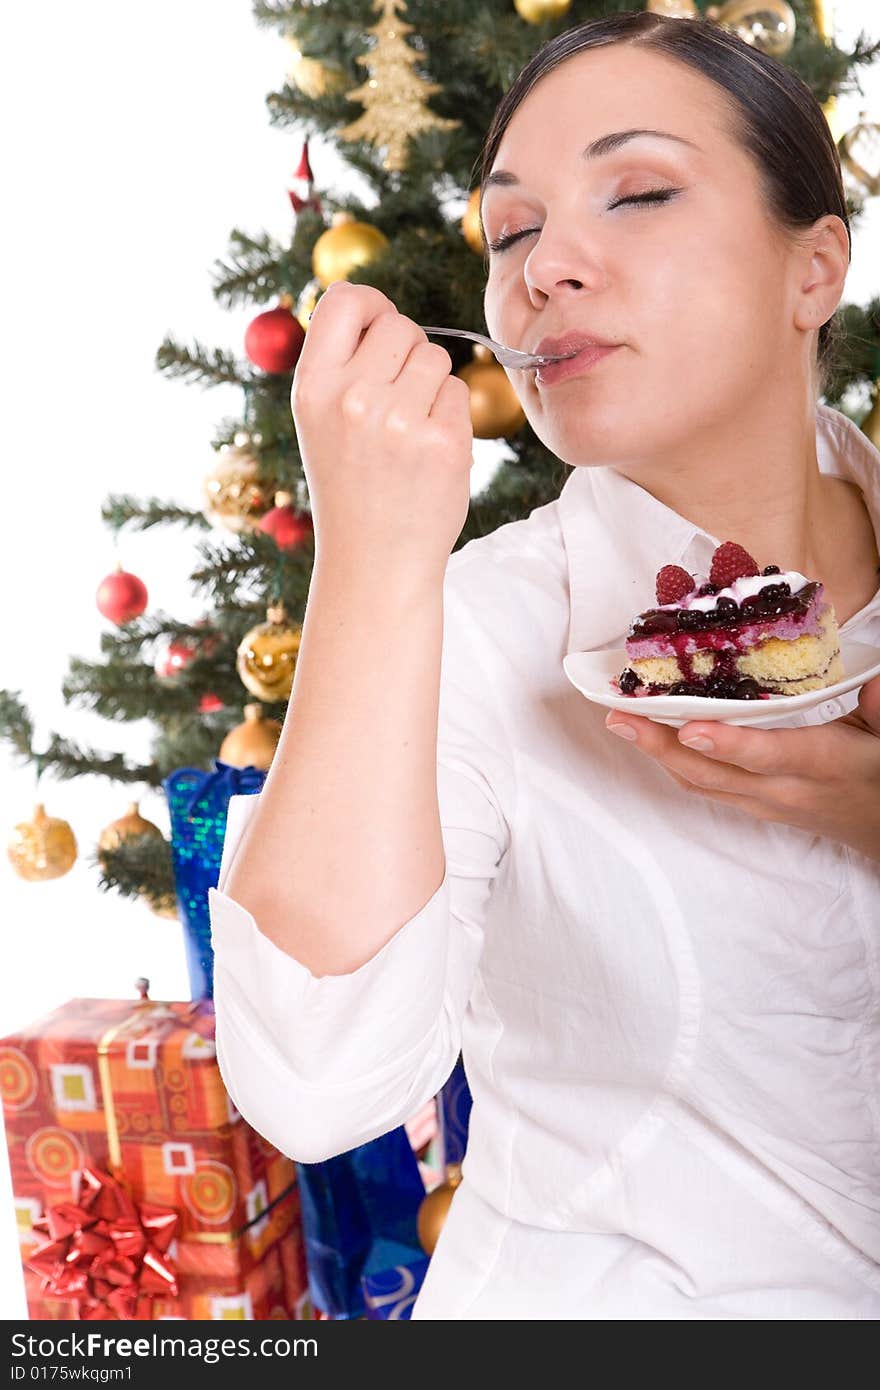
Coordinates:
(743, 634)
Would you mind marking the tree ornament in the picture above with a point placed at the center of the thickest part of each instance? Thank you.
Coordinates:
(42, 848)
(273, 340)
(121, 596)
(860, 156)
(125, 828)
(266, 656)
(471, 227)
(313, 77)
(301, 185)
(765, 24)
(210, 703)
(345, 245)
(132, 823)
(541, 11)
(287, 527)
(823, 19)
(495, 407)
(236, 493)
(172, 658)
(394, 97)
(253, 743)
(306, 301)
(174, 654)
(435, 1208)
(675, 9)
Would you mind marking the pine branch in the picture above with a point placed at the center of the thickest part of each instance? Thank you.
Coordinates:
(140, 866)
(16, 725)
(121, 509)
(199, 365)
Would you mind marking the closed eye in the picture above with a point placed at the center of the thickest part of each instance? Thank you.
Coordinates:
(651, 195)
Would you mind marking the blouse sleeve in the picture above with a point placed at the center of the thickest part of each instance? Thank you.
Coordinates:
(320, 1064)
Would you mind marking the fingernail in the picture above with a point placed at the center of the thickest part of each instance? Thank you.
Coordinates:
(699, 743)
(623, 731)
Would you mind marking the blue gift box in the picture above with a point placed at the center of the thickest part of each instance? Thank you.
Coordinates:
(198, 802)
(391, 1293)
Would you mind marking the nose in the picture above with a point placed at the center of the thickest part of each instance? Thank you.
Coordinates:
(560, 263)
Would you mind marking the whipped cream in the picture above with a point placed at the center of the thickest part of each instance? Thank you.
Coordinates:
(740, 588)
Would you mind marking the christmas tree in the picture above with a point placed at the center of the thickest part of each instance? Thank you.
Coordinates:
(406, 92)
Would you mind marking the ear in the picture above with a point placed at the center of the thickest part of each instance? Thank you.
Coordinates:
(824, 263)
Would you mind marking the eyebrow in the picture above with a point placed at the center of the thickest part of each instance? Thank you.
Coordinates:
(606, 144)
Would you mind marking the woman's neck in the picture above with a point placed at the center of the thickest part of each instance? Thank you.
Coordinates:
(757, 481)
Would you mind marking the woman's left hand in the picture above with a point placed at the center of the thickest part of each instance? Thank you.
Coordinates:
(823, 778)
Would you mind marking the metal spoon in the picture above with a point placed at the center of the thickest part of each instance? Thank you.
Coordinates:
(507, 356)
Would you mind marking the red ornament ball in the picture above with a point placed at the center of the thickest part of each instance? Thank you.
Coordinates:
(121, 596)
(287, 527)
(274, 340)
(173, 659)
(209, 703)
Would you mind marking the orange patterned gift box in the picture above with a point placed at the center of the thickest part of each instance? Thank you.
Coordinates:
(133, 1088)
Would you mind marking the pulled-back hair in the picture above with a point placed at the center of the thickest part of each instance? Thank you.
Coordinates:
(773, 115)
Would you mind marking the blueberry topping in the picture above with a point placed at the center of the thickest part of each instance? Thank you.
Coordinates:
(747, 689)
(726, 610)
(720, 688)
(771, 569)
(628, 681)
(705, 589)
(751, 606)
(684, 688)
(690, 619)
(772, 593)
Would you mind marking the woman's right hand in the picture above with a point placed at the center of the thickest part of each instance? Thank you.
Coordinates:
(385, 434)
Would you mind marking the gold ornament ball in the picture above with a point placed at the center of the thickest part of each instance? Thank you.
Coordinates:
(495, 408)
(860, 155)
(541, 11)
(471, 229)
(235, 491)
(42, 848)
(132, 823)
(765, 24)
(344, 246)
(313, 78)
(434, 1208)
(675, 9)
(164, 906)
(253, 743)
(266, 656)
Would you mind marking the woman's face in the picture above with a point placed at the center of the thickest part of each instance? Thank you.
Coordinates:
(693, 287)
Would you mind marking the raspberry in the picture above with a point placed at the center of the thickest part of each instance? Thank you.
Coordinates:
(673, 583)
(731, 562)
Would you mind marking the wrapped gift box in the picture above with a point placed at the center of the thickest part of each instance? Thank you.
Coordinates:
(391, 1293)
(133, 1088)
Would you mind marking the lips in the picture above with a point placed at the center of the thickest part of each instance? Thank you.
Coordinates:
(569, 343)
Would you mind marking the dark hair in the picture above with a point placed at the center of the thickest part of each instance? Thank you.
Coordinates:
(774, 116)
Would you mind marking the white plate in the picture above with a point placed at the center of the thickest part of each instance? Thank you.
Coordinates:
(591, 672)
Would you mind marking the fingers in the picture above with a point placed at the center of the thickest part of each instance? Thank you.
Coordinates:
(659, 741)
(338, 322)
(387, 346)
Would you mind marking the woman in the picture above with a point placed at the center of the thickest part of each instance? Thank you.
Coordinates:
(666, 1003)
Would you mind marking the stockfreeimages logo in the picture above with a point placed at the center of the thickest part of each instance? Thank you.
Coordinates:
(93, 1345)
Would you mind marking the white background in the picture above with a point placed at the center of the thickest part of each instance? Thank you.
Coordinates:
(135, 139)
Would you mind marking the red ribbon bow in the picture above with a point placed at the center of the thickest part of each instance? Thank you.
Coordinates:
(105, 1252)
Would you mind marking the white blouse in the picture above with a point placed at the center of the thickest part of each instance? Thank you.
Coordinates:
(669, 1012)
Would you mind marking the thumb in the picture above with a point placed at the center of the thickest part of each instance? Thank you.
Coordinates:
(869, 704)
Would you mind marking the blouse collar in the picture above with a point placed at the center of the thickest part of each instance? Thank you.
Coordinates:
(617, 535)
